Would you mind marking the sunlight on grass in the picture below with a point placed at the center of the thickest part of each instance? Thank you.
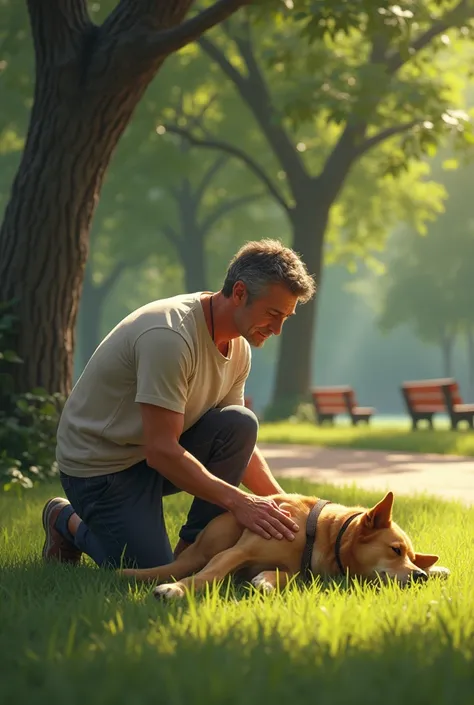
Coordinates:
(94, 636)
(380, 437)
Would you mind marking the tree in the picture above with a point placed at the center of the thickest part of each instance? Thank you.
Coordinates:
(89, 80)
(362, 82)
(428, 280)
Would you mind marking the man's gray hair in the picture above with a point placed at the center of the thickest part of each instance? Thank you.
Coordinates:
(260, 263)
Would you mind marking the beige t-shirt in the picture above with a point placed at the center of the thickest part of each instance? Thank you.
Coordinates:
(160, 354)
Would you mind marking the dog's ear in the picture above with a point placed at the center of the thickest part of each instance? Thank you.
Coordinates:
(380, 516)
(425, 560)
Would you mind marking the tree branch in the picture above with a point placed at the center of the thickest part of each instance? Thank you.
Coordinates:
(235, 152)
(215, 167)
(254, 91)
(222, 61)
(451, 18)
(383, 135)
(226, 207)
(167, 41)
(170, 233)
(58, 28)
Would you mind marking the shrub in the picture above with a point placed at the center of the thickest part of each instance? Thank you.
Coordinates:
(28, 422)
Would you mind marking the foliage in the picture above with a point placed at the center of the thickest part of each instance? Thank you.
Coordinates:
(28, 423)
(428, 281)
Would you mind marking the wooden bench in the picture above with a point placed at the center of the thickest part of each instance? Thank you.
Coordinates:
(330, 401)
(424, 398)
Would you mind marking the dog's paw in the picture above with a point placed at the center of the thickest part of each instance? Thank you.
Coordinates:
(439, 571)
(169, 591)
(261, 583)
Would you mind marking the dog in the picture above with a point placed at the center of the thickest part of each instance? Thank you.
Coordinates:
(354, 541)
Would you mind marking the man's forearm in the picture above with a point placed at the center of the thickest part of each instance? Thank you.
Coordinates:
(186, 472)
(258, 477)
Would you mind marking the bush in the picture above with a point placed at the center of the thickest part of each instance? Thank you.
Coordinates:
(28, 422)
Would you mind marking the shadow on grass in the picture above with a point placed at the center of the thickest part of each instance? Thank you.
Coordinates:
(154, 654)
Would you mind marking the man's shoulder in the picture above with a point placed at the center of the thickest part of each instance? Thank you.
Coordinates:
(176, 314)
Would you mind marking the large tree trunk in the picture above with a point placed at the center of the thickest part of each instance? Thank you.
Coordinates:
(293, 377)
(192, 256)
(89, 80)
(190, 243)
(44, 236)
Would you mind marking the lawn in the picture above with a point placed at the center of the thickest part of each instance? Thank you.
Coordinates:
(377, 437)
(81, 635)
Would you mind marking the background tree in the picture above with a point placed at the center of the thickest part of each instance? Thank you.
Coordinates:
(360, 82)
(428, 280)
(89, 79)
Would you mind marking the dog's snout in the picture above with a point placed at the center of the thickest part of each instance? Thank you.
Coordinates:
(419, 576)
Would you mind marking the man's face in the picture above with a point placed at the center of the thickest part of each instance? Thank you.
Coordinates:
(264, 316)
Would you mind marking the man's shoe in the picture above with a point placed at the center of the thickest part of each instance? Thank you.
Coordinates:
(56, 547)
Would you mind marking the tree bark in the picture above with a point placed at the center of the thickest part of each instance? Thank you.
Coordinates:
(294, 366)
(88, 82)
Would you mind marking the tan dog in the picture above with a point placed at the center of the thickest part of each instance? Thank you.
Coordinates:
(354, 540)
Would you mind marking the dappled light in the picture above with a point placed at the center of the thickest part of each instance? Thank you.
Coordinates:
(236, 351)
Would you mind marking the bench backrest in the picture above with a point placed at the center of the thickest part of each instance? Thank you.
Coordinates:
(333, 400)
(429, 395)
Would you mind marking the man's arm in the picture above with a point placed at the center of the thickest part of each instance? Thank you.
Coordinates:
(162, 430)
(258, 477)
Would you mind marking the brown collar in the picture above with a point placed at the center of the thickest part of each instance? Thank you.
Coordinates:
(311, 526)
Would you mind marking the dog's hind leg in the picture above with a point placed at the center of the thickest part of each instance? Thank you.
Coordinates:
(189, 561)
(270, 580)
(218, 567)
(221, 533)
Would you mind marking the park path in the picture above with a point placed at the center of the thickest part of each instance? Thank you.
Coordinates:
(447, 476)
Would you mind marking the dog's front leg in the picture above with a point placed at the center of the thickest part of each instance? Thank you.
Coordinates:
(218, 567)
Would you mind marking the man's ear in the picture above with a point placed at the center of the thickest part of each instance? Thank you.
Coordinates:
(425, 560)
(380, 516)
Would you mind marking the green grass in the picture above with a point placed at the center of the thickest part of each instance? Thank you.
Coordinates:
(397, 437)
(82, 635)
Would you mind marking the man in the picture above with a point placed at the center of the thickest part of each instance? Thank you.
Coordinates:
(160, 408)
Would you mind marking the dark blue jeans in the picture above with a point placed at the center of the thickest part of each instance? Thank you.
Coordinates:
(122, 513)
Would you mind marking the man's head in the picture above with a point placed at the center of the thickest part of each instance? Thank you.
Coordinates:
(264, 282)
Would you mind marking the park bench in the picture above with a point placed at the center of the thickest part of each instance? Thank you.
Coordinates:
(330, 401)
(424, 398)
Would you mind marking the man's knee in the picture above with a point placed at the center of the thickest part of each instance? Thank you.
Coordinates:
(242, 422)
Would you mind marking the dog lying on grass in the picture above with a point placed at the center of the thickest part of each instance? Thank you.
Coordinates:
(339, 540)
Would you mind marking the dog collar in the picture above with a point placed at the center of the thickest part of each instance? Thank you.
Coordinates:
(311, 528)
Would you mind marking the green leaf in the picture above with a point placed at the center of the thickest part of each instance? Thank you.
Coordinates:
(11, 356)
(450, 164)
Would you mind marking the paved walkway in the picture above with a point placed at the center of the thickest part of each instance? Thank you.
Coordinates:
(448, 476)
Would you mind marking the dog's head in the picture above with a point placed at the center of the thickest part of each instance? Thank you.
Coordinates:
(382, 548)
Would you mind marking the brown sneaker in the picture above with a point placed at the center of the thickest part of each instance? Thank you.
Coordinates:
(56, 547)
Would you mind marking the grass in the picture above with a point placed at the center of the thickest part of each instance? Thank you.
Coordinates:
(378, 437)
(76, 635)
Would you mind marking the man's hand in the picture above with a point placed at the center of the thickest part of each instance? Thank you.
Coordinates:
(263, 516)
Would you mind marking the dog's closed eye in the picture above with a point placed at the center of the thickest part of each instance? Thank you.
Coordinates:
(397, 550)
